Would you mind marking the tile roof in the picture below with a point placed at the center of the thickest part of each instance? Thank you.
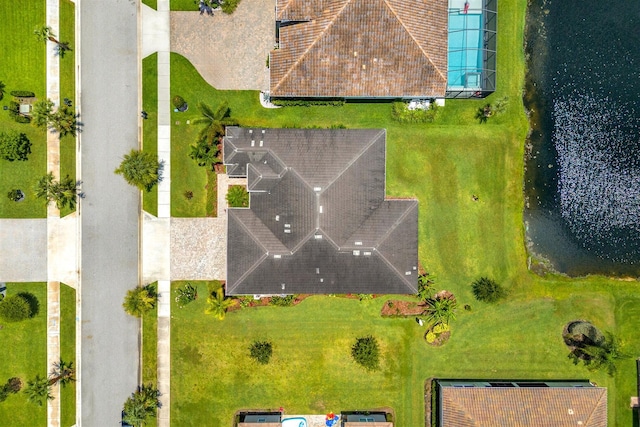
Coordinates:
(318, 220)
(360, 48)
(520, 407)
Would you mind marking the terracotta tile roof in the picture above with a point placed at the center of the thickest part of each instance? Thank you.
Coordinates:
(515, 407)
(360, 48)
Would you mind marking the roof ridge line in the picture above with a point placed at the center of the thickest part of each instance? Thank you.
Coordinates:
(398, 221)
(593, 410)
(313, 43)
(246, 273)
(386, 2)
(357, 156)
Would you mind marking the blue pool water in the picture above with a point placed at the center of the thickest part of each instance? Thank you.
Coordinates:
(465, 54)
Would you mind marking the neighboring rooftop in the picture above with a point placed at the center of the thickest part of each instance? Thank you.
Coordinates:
(539, 404)
(318, 220)
(360, 48)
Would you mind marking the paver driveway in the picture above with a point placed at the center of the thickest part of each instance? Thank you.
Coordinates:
(229, 51)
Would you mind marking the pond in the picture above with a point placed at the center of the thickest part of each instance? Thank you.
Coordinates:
(582, 179)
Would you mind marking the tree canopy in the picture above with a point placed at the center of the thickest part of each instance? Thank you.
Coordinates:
(140, 169)
(14, 146)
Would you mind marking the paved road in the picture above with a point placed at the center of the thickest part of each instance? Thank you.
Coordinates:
(109, 213)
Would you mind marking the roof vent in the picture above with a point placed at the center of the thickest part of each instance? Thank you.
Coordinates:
(415, 268)
(262, 130)
(317, 236)
(356, 253)
(317, 271)
(407, 273)
(277, 217)
(277, 256)
(570, 411)
(253, 143)
(320, 209)
(261, 145)
(287, 230)
(250, 130)
(317, 188)
(287, 226)
(321, 280)
(367, 253)
(358, 243)
(283, 286)
(364, 66)
(355, 53)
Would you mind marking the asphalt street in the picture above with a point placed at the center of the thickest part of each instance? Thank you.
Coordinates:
(109, 213)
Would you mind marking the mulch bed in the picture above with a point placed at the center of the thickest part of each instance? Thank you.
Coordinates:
(441, 339)
(402, 308)
(262, 302)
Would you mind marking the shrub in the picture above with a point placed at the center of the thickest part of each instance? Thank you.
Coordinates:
(140, 300)
(308, 103)
(284, 301)
(440, 328)
(22, 119)
(186, 294)
(15, 195)
(14, 146)
(425, 286)
(365, 297)
(14, 384)
(261, 351)
(365, 351)
(140, 169)
(22, 94)
(178, 102)
(401, 113)
(237, 196)
(487, 290)
(230, 6)
(441, 310)
(15, 308)
(14, 109)
(430, 337)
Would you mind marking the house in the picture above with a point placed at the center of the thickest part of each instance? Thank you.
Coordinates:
(365, 419)
(318, 220)
(516, 403)
(255, 419)
(384, 49)
(360, 49)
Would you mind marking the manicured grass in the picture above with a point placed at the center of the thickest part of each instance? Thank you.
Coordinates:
(22, 68)
(150, 347)
(311, 370)
(153, 4)
(25, 345)
(183, 5)
(150, 125)
(68, 353)
(442, 164)
(67, 89)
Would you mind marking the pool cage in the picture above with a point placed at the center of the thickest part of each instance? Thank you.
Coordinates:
(471, 70)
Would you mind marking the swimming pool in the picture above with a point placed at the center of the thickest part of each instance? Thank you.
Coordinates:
(465, 50)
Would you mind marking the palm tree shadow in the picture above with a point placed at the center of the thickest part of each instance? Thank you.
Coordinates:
(31, 299)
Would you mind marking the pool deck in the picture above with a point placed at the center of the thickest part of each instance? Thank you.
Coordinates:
(312, 420)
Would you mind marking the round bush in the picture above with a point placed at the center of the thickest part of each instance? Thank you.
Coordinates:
(365, 351)
(178, 102)
(15, 308)
(430, 337)
(261, 351)
(487, 290)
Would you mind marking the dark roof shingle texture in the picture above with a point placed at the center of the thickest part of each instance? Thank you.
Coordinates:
(524, 407)
(361, 48)
(322, 225)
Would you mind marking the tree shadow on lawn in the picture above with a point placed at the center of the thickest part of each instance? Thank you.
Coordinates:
(33, 302)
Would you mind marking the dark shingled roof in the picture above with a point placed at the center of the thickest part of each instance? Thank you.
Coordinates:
(360, 48)
(524, 407)
(317, 221)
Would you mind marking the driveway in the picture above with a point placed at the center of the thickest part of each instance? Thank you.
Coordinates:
(23, 245)
(229, 51)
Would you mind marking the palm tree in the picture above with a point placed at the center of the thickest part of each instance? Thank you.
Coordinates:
(38, 390)
(237, 196)
(214, 122)
(64, 121)
(218, 304)
(600, 356)
(441, 310)
(42, 113)
(141, 405)
(140, 169)
(45, 33)
(140, 300)
(63, 192)
(62, 373)
(205, 153)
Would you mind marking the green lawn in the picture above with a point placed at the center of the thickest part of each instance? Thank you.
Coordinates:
(442, 164)
(22, 67)
(182, 4)
(150, 125)
(150, 347)
(153, 4)
(25, 345)
(68, 352)
(67, 88)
